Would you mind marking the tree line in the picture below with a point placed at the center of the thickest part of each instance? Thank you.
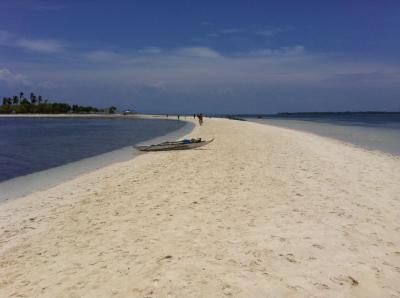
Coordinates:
(19, 104)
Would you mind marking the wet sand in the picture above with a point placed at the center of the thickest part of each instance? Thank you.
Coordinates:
(262, 211)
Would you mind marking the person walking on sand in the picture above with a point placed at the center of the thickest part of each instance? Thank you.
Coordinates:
(200, 116)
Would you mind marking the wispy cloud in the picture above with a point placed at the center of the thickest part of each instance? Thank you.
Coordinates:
(41, 45)
(270, 31)
(365, 77)
(201, 52)
(149, 53)
(111, 56)
(200, 65)
(191, 73)
(12, 78)
(159, 85)
(102, 56)
(193, 67)
(231, 30)
(212, 34)
(295, 50)
(8, 39)
(150, 50)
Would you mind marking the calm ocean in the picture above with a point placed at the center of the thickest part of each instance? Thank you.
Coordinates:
(370, 131)
(34, 144)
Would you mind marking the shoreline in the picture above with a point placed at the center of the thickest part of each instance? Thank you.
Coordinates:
(261, 211)
(359, 136)
(89, 116)
(21, 186)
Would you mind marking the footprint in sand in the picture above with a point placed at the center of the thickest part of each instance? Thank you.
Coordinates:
(318, 246)
(321, 286)
(289, 257)
(227, 290)
(342, 280)
(164, 259)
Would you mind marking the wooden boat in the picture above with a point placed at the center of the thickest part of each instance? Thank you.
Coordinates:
(179, 145)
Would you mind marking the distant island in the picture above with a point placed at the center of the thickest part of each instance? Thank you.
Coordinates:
(19, 104)
(334, 113)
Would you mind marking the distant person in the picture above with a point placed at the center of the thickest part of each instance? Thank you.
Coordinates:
(178, 117)
(200, 116)
(194, 116)
(167, 115)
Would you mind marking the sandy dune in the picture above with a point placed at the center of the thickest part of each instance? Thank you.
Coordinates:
(260, 212)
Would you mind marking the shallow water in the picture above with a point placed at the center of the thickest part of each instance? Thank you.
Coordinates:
(30, 145)
(373, 132)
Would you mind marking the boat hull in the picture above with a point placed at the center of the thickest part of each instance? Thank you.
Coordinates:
(167, 146)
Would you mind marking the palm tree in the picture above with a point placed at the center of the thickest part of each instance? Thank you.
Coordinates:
(15, 100)
(40, 99)
(5, 101)
(21, 95)
(33, 98)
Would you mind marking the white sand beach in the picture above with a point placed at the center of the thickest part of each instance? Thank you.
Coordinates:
(260, 212)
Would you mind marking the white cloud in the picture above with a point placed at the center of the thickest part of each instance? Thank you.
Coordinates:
(160, 85)
(213, 34)
(12, 78)
(149, 55)
(102, 56)
(8, 39)
(150, 50)
(41, 45)
(201, 52)
(200, 74)
(106, 56)
(231, 30)
(270, 31)
(283, 51)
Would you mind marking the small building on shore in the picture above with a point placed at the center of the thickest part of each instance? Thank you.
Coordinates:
(129, 112)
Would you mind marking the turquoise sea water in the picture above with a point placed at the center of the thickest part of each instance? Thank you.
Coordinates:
(375, 132)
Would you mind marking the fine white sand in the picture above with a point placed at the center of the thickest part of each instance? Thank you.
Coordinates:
(260, 212)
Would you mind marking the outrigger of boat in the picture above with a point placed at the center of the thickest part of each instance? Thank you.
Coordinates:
(179, 145)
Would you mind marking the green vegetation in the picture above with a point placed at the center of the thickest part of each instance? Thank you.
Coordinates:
(37, 105)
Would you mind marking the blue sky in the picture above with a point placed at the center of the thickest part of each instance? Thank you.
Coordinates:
(209, 56)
